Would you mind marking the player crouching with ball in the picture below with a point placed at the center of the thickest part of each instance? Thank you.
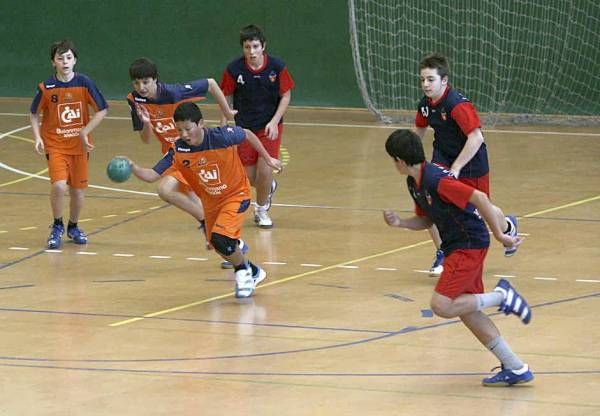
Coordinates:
(208, 160)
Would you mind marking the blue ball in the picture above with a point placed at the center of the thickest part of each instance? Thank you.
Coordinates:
(118, 169)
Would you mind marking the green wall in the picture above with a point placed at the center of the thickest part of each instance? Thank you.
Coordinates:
(188, 39)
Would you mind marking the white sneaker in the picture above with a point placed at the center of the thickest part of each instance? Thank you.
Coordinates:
(261, 218)
(244, 283)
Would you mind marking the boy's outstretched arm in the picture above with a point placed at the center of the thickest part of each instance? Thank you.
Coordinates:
(413, 223)
(219, 97)
(144, 174)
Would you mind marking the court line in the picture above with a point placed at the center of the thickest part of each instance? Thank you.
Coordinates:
(572, 204)
(374, 126)
(294, 277)
(23, 179)
(276, 282)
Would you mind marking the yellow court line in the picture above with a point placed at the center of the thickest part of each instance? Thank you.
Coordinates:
(24, 179)
(25, 139)
(276, 282)
(572, 204)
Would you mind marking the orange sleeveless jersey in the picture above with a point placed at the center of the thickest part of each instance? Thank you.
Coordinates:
(161, 109)
(65, 112)
(213, 170)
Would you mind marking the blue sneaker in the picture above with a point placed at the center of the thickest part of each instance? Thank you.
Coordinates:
(506, 377)
(55, 235)
(512, 220)
(259, 276)
(438, 264)
(243, 247)
(513, 302)
(77, 235)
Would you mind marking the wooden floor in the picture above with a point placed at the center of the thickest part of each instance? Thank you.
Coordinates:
(142, 321)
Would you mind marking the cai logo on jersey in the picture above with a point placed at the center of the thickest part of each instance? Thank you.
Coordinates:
(165, 127)
(69, 115)
(209, 174)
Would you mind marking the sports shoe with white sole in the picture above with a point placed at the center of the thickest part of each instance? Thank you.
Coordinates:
(513, 302)
(510, 251)
(259, 276)
(244, 284)
(438, 264)
(262, 219)
(506, 377)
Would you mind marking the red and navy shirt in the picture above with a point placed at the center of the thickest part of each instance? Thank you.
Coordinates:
(452, 118)
(161, 108)
(445, 200)
(256, 93)
(65, 109)
(212, 169)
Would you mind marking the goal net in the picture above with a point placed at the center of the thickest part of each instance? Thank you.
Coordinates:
(527, 60)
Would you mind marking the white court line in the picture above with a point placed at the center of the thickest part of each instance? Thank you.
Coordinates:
(18, 248)
(347, 267)
(160, 257)
(273, 262)
(196, 258)
(310, 265)
(386, 269)
(123, 255)
(504, 275)
(53, 251)
(421, 271)
(587, 280)
(361, 126)
(87, 253)
(546, 278)
(27, 228)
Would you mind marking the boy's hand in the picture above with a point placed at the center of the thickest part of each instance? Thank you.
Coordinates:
(142, 113)
(275, 164)
(85, 142)
(271, 130)
(510, 242)
(391, 218)
(39, 146)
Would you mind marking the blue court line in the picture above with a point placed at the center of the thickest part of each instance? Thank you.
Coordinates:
(426, 313)
(326, 285)
(409, 329)
(258, 373)
(108, 227)
(15, 287)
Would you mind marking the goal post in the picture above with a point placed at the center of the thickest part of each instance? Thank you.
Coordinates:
(527, 60)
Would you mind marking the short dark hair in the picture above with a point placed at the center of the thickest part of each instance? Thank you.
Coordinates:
(187, 111)
(405, 145)
(143, 68)
(252, 32)
(436, 61)
(62, 46)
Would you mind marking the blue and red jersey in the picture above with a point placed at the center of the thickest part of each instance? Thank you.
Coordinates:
(162, 108)
(256, 93)
(65, 111)
(445, 200)
(213, 169)
(452, 118)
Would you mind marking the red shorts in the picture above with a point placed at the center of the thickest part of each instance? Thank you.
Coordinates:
(481, 183)
(70, 168)
(228, 218)
(463, 271)
(249, 155)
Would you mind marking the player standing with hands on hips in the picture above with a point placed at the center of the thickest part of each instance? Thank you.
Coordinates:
(458, 143)
(261, 87)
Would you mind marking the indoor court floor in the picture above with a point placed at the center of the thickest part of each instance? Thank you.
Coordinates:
(143, 321)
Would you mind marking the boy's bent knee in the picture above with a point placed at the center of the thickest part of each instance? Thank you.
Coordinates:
(441, 307)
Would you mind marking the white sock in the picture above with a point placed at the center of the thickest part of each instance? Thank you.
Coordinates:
(507, 357)
(485, 300)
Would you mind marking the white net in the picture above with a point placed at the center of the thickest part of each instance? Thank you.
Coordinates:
(521, 58)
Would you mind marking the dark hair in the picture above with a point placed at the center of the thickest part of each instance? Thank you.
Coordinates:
(252, 32)
(143, 68)
(436, 61)
(62, 46)
(187, 111)
(405, 145)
